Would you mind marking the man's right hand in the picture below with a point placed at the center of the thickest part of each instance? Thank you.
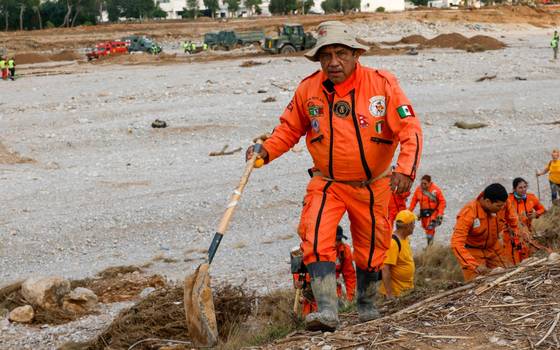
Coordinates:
(481, 269)
(249, 154)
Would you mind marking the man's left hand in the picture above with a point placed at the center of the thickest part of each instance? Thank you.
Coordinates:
(400, 183)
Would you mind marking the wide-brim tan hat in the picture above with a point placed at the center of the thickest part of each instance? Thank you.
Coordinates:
(334, 33)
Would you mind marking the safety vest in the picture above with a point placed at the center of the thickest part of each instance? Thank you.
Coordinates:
(2, 64)
(11, 64)
(554, 42)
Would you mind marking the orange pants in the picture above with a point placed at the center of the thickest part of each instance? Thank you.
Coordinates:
(308, 307)
(324, 205)
(491, 257)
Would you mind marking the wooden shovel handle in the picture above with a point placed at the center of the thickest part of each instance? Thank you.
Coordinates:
(233, 201)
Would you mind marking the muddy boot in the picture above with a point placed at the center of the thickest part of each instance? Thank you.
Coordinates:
(323, 283)
(366, 293)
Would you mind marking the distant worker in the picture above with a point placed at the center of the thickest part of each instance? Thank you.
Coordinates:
(397, 203)
(553, 170)
(345, 274)
(475, 239)
(4, 68)
(398, 269)
(204, 46)
(186, 46)
(432, 206)
(527, 208)
(554, 44)
(12, 68)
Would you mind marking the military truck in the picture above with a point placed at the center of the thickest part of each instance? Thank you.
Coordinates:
(141, 43)
(289, 39)
(229, 39)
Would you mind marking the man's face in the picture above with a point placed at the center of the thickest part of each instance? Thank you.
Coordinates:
(521, 188)
(338, 62)
(425, 185)
(492, 207)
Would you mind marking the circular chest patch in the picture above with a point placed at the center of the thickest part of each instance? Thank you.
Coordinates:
(342, 109)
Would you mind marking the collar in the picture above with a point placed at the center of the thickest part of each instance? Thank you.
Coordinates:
(346, 86)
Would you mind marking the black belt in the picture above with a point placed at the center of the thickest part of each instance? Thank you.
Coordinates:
(472, 247)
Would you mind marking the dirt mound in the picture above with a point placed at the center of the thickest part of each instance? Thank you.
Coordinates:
(66, 55)
(9, 157)
(457, 41)
(31, 58)
(162, 316)
(413, 39)
(510, 310)
(547, 228)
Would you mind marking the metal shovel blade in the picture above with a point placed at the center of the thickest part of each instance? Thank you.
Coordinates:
(199, 308)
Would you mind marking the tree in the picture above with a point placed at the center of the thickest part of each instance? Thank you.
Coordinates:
(192, 7)
(330, 6)
(233, 6)
(282, 7)
(212, 6)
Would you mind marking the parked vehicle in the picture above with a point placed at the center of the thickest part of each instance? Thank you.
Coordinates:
(106, 49)
(290, 38)
(229, 39)
(142, 43)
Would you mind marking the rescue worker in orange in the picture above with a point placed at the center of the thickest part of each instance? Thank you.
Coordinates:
(352, 142)
(345, 273)
(527, 208)
(475, 240)
(432, 206)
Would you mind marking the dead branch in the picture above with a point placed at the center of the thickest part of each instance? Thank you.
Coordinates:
(549, 330)
(279, 86)
(223, 152)
(486, 77)
(490, 285)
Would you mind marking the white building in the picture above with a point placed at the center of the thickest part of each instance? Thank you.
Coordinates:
(388, 5)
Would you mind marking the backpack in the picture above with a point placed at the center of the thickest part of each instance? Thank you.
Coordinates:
(396, 238)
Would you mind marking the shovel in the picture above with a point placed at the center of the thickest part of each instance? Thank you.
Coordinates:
(199, 305)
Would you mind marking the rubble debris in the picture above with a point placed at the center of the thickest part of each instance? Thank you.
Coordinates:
(269, 99)
(46, 292)
(224, 152)
(486, 77)
(9, 157)
(469, 126)
(250, 63)
(546, 228)
(279, 86)
(520, 78)
(80, 300)
(261, 91)
(159, 124)
(22, 314)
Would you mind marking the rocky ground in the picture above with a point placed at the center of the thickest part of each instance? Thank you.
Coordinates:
(106, 189)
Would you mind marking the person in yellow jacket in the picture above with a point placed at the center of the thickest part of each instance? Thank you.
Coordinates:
(553, 170)
(397, 273)
(4, 68)
(12, 68)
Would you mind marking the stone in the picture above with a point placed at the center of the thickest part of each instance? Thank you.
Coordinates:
(80, 301)
(22, 314)
(47, 292)
(327, 347)
(554, 256)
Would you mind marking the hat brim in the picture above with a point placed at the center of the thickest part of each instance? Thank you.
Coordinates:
(312, 53)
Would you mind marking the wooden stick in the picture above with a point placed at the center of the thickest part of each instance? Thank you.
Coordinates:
(279, 86)
(525, 316)
(223, 152)
(549, 330)
(498, 280)
(502, 305)
(446, 337)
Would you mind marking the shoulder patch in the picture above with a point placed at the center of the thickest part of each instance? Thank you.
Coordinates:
(311, 75)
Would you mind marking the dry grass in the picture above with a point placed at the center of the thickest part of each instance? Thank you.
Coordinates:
(547, 228)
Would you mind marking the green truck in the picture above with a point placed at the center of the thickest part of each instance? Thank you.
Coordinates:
(289, 39)
(142, 43)
(229, 39)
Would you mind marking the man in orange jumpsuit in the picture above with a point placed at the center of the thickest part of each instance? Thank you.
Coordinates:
(527, 207)
(345, 273)
(432, 206)
(475, 240)
(354, 118)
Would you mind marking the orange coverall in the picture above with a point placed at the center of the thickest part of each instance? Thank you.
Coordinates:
(523, 207)
(344, 269)
(352, 131)
(475, 239)
(427, 203)
(396, 204)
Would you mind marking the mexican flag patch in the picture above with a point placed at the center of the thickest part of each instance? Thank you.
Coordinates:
(379, 127)
(405, 111)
